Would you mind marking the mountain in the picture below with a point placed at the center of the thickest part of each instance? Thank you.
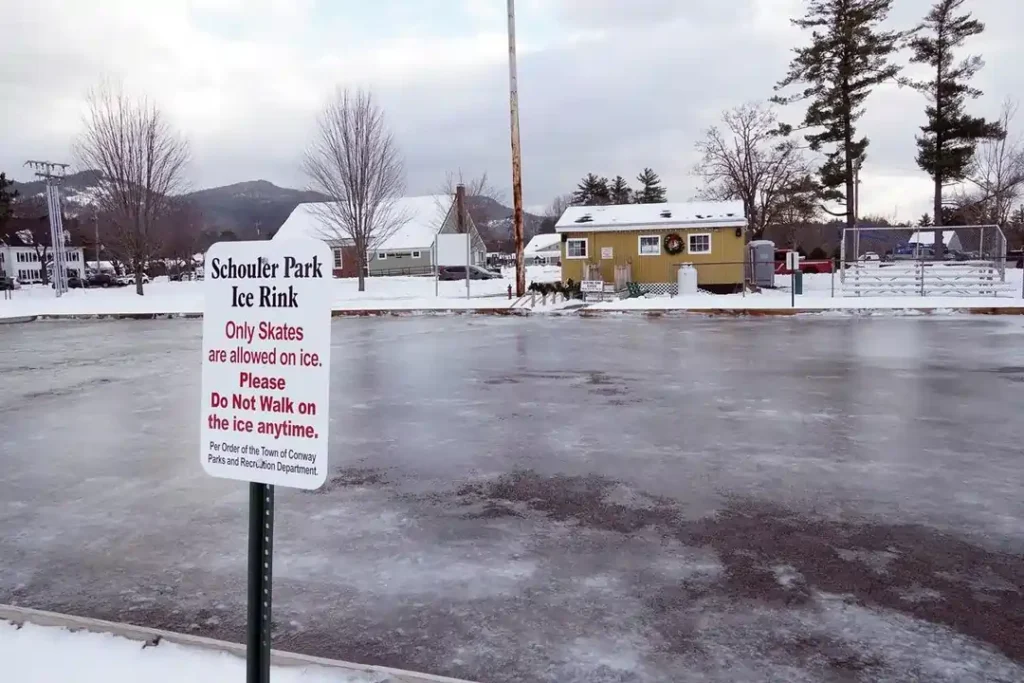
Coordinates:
(257, 208)
(494, 221)
(251, 210)
(77, 192)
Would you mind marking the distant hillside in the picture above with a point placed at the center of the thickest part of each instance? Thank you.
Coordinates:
(252, 210)
(257, 208)
(494, 220)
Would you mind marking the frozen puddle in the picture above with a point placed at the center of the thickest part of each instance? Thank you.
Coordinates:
(37, 654)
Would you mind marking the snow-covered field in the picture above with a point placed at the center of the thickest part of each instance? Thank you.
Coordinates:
(385, 293)
(36, 654)
(821, 293)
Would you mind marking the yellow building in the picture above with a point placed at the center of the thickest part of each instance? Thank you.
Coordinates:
(646, 243)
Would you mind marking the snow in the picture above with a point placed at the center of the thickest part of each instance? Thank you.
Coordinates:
(424, 217)
(543, 243)
(818, 296)
(928, 238)
(163, 297)
(418, 294)
(630, 216)
(36, 654)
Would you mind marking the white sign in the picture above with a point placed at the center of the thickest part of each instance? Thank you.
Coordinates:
(266, 362)
(592, 286)
(792, 260)
(452, 249)
(607, 253)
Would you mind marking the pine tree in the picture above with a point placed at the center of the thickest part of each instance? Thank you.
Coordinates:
(620, 191)
(848, 56)
(7, 196)
(946, 148)
(651, 191)
(592, 191)
(925, 221)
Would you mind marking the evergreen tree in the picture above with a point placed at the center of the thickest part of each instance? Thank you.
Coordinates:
(620, 191)
(592, 191)
(848, 56)
(925, 221)
(651, 191)
(946, 148)
(7, 196)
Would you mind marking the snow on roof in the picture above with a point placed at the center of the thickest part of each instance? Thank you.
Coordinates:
(638, 216)
(423, 217)
(539, 243)
(928, 237)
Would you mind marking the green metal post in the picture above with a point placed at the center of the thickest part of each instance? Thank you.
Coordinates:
(261, 562)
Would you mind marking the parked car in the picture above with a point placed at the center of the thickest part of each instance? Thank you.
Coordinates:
(74, 282)
(459, 273)
(104, 280)
(9, 283)
(130, 279)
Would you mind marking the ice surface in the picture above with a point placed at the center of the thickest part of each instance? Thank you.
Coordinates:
(553, 499)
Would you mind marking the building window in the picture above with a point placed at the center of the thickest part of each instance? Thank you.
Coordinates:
(416, 254)
(337, 258)
(382, 256)
(650, 245)
(576, 247)
(700, 243)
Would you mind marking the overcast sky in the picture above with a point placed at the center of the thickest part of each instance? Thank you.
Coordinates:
(608, 86)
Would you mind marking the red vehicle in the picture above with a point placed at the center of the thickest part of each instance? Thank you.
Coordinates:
(817, 266)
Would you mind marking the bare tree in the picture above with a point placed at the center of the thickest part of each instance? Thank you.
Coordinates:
(182, 232)
(142, 162)
(997, 172)
(355, 161)
(747, 161)
(554, 212)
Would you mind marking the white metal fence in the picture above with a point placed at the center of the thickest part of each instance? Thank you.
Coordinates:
(926, 278)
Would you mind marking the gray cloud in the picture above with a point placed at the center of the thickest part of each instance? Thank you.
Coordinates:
(637, 91)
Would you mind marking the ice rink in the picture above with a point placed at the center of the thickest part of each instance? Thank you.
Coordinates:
(554, 499)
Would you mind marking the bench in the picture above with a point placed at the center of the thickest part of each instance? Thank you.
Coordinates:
(636, 291)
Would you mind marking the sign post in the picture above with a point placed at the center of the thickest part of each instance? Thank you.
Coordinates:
(265, 392)
(793, 265)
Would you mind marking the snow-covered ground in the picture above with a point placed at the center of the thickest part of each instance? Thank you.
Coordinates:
(390, 293)
(821, 293)
(36, 654)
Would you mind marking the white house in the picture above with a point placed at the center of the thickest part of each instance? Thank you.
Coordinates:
(544, 250)
(926, 238)
(22, 260)
(408, 251)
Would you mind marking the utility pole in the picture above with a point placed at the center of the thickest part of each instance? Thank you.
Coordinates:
(517, 160)
(53, 174)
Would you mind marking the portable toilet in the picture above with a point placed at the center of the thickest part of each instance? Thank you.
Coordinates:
(761, 263)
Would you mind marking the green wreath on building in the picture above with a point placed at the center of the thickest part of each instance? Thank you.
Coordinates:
(673, 244)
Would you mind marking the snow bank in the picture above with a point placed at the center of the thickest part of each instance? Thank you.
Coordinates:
(36, 654)
(818, 295)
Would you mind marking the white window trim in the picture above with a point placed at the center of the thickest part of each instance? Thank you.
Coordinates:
(338, 256)
(639, 243)
(586, 248)
(382, 256)
(417, 254)
(690, 237)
